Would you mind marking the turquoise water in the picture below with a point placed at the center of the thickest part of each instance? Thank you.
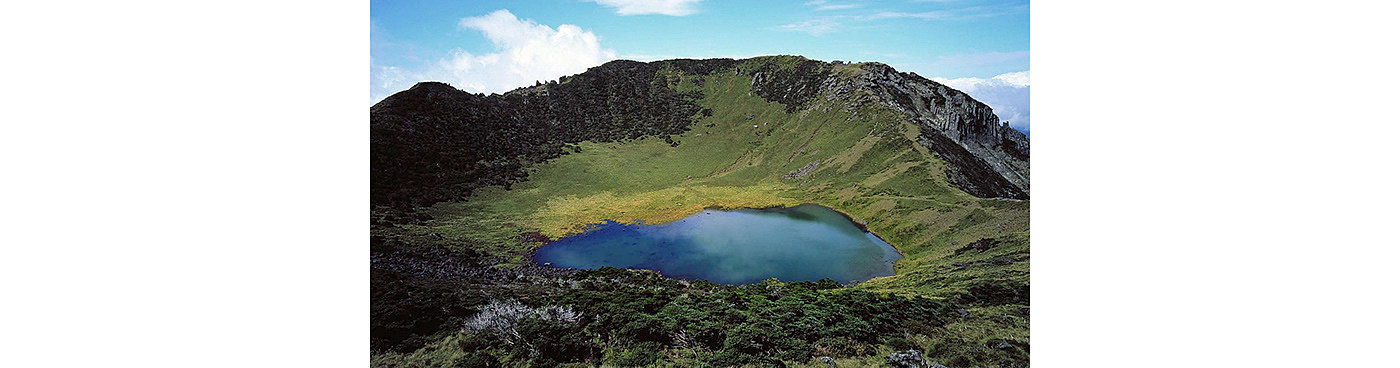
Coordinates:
(802, 243)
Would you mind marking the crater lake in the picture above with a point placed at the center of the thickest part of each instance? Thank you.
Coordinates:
(803, 243)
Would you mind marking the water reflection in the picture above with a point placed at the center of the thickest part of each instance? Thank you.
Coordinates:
(807, 242)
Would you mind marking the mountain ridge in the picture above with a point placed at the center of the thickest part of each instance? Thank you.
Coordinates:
(624, 99)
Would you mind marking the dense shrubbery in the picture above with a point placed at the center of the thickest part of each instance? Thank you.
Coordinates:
(792, 85)
(699, 66)
(631, 318)
(434, 142)
(418, 293)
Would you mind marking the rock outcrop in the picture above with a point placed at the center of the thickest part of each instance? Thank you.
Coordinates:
(987, 157)
(911, 359)
(908, 359)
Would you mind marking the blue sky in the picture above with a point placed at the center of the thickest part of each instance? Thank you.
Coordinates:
(980, 47)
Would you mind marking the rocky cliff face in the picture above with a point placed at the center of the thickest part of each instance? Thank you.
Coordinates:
(987, 157)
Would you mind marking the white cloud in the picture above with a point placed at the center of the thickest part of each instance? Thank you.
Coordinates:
(1008, 94)
(1017, 79)
(929, 15)
(815, 27)
(663, 7)
(829, 24)
(525, 52)
(838, 6)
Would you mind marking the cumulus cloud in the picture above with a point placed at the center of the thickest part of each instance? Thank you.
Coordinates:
(663, 7)
(1008, 94)
(524, 52)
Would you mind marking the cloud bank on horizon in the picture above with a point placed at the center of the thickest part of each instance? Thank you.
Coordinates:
(981, 49)
(1008, 94)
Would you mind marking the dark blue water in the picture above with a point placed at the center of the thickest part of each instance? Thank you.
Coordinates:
(803, 243)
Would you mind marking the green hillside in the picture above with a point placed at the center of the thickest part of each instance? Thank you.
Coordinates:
(968, 256)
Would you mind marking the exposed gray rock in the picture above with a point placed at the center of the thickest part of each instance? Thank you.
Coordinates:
(828, 360)
(912, 359)
(796, 174)
(908, 359)
(987, 158)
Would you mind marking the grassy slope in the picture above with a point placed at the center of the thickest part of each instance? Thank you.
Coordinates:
(870, 168)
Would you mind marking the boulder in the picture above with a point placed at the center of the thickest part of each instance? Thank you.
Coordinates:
(908, 359)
